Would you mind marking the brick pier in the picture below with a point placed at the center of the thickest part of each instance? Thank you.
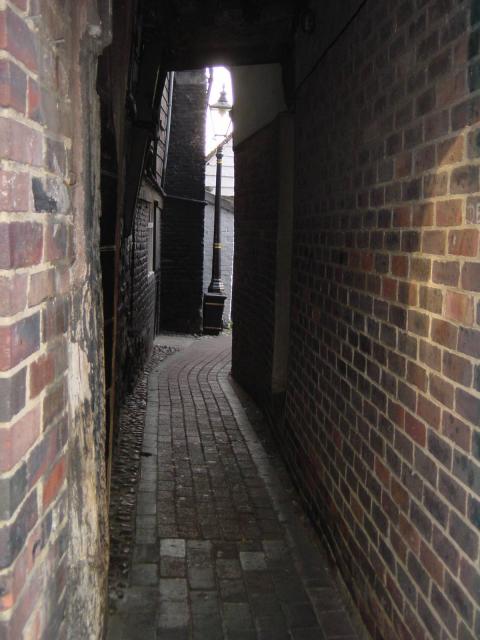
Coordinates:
(221, 549)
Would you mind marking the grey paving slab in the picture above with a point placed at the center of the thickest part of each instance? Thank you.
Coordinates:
(233, 590)
(201, 577)
(144, 574)
(173, 615)
(253, 561)
(228, 568)
(219, 553)
(172, 567)
(134, 627)
(237, 616)
(173, 548)
(145, 553)
(244, 634)
(141, 600)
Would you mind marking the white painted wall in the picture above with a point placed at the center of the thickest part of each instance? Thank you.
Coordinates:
(258, 98)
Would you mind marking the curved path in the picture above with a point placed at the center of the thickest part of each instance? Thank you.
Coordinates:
(221, 552)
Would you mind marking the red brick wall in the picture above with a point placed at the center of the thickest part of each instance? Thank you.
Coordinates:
(44, 263)
(382, 428)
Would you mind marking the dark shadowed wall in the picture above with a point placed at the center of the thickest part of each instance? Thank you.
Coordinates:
(182, 221)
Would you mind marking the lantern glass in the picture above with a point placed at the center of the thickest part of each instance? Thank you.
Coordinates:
(220, 112)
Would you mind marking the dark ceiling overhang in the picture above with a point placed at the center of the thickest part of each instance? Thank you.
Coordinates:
(176, 35)
(201, 33)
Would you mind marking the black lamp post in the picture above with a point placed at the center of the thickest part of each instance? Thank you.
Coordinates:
(214, 299)
(216, 284)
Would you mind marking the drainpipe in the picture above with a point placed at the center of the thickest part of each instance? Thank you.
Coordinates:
(169, 123)
(209, 85)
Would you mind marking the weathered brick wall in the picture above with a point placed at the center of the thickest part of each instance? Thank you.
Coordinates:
(51, 379)
(143, 290)
(382, 428)
(186, 154)
(253, 305)
(138, 290)
(182, 218)
(138, 287)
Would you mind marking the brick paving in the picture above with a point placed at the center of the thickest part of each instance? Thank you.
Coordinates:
(220, 551)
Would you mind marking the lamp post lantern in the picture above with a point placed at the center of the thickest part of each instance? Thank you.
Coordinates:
(214, 299)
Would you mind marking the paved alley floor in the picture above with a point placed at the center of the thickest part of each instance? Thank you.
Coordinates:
(220, 550)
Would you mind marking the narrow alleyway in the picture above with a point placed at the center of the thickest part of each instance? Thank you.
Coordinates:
(221, 550)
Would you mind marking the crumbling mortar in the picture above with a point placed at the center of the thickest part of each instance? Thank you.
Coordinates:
(11, 114)
(6, 55)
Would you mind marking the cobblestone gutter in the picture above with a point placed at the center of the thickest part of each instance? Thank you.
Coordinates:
(125, 474)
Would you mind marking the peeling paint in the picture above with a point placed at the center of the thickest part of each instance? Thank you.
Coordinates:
(79, 371)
